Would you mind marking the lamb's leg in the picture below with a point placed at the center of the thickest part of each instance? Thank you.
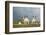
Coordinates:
(28, 22)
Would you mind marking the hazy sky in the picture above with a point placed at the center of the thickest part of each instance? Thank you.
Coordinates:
(25, 11)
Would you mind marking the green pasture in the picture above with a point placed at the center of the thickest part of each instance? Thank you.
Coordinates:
(16, 25)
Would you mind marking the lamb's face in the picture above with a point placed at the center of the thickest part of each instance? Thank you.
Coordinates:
(33, 20)
(26, 19)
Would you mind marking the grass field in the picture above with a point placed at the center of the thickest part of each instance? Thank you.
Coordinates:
(16, 25)
(25, 25)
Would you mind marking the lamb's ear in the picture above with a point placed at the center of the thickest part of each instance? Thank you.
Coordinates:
(33, 16)
(26, 16)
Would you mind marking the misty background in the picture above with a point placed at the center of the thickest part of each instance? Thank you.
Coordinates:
(18, 12)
